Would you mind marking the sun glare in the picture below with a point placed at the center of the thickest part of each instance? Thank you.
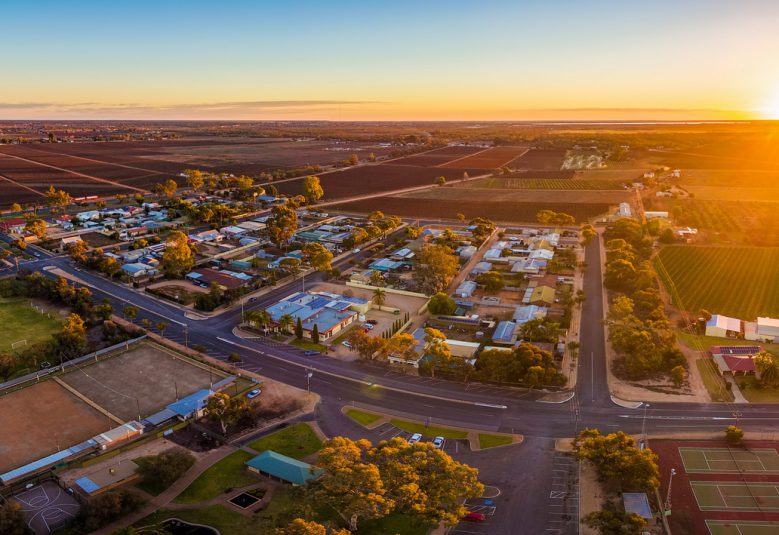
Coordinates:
(771, 109)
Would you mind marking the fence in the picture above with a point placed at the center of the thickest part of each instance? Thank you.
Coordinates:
(37, 376)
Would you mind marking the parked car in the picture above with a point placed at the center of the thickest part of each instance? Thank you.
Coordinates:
(368, 326)
(45, 365)
(346, 343)
(416, 437)
(254, 393)
(355, 251)
(372, 322)
(438, 442)
(311, 353)
(474, 517)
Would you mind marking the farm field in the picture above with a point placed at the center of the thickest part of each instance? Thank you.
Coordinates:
(727, 193)
(740, 282)
(728, 221)
(540, 159)
(543, 183)
(714, 160)
(368, 179)
(149, 374)
(41, 419)
(564, 174)
(437, 156)
(729, 178)
(22, 322)
(489, 159)
(527, 195)
(508, 212)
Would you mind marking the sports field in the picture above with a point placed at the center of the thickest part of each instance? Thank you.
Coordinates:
(742, 527)
(148, 376)
(736, 281)
(724, 460)
(42, 419)
(736, 496)
(22, 322)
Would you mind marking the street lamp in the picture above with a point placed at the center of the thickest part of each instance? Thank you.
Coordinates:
(643, 425)
(667, 507)
(309, 374)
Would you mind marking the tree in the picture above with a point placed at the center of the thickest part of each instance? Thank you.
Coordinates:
(312, 189)
(550, 217)
(678, 374)
(315, 334)
(376, 278)
(402, 346)
(365, 345)
(349, 484)
(130, 312)
(282, 225)
(440, 180)
(491, 280)
(613, 520)
(379, 297)
(733, 435)
(161, 327)
(436, 349)
(16, 207)
(104, 309)
(375, 215)
(436, 267)
(12, 521)
(19, 244)
(7, 365)
(540, 330)
(299, 329)
(37, 227)
(305, 527)
(177, 258)
(57, 197)
(617, 459)
(195, 178)
(286, 321)
(167, 188)
(667, 236)
(225, 410)
(164, 469)
(481, 228)
(441, 303)
(767, 367)
(318, 256)
(588, 233)
(259, 319)
(72, 339)
(460, 217)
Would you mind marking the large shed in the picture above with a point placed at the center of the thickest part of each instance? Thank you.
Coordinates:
(282, 467)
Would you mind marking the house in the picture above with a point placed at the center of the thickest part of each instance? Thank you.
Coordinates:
(505, 333)
(252, 226)
(465, 289)
(467, 252)
(402, 254)
(386, 265)
(768, 329)
(227, 280)
(232, 231)
(523, 314)
(330, 313)
(481, 267)
(541, 254)
(735, 359)
(13, 226)
(723, 326)
(285, 469)
(138, 269)
(459, 348)
(542, 295)
(206, 235)
(191, 406)
(69, 241)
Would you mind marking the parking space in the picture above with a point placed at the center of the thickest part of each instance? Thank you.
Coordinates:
(481, 517)
(563, 508)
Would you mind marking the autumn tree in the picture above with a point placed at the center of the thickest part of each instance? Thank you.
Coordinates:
(440, 180)
(177, 258)
(441, 303)
(350, 484)
(481, 228)
(312, 189)
(7, 365)
(57, 197)
(300, 526)
(318, 256)
(282, 225)
(491, 280)
(167, 188)
(72, 339)
(402, 346)
(733, 435)
(767, 368)
(195, 178)
(614, 520)
(550, 217)
(436, 349)
(364, 344)
(617, 459)
(588, 232)
(225, 410)
(436, 267)
(36, 227)
(16, 207)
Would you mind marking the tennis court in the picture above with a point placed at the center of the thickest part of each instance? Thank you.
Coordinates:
(741, 527)
(734, 496)
(724, 460)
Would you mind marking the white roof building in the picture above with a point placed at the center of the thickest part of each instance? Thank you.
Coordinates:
(768, 329)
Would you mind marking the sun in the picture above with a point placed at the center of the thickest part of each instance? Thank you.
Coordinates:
(771, 109)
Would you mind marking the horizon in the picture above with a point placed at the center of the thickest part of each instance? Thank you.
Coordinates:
(607, 61)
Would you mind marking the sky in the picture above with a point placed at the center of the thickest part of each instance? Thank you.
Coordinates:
(390, 60)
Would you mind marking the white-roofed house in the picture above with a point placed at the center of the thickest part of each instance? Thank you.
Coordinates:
(768, 329)
(723, 326)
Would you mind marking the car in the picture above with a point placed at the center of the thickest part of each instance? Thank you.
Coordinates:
(474, 517)
(368, 326)
(438, 442)
(311, 353)
(45, 365)
(416, 437)
(372, 322)
(346, 343)
(355, 251)
(254, 393)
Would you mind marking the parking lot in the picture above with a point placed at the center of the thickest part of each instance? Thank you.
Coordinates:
(488, 505)
(388, 431)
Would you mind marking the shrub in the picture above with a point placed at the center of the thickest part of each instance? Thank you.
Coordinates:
(733, 435)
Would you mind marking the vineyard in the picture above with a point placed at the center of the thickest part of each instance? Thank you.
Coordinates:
(546, 183)
(741, 282)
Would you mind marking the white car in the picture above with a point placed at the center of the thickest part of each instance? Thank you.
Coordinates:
(368, 326)
(346, 343)
(355, 251)
(438, 442)
(416, 437)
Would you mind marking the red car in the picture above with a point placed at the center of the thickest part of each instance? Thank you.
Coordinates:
(474, 517)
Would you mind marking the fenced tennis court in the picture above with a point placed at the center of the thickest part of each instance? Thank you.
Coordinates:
(742, 527)
(736, 496)
(730, 461)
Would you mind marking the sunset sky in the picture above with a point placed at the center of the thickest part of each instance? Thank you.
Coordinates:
(393, 60)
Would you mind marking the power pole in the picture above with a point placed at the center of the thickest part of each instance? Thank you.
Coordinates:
(667, 506)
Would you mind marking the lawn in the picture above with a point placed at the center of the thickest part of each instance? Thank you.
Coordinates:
(431, 431)
(228, 473)
(703, 343)
(308, 345)
(363, 418)
(297, 441)
(713, 381)
(21, 322)
(755, 392)
(742, 282)
(492, 441)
